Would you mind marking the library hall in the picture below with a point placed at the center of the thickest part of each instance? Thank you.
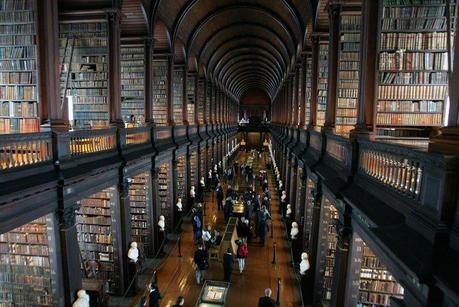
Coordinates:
(238, 153)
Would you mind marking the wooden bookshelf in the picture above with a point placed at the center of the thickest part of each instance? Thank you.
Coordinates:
(413, 65)
(180, 168)
(307, 110)
(84, 73)
(159, 90)
(132, 84)
(322, 83)
(376, 285)
(201, 103)
(209, 96)
(140, 201)
(164, 193)
(19, 105)
(348, 72)
(177, 87)
(299, 91)
(26, 276)
(194, 169)
(97, 237)
(308, 212)
(202, 163)
(326, 252)
(190, 98)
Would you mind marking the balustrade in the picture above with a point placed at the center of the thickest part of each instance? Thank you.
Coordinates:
(18, 150)
(91, 141)
(393, 166)
(136, 136)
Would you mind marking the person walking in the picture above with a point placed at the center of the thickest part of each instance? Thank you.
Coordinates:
(242, 253)
(179, 302)
(228, 265)
(227, 208)
(220, 196)
(197, 227)
(154, 296)
(202, 263)
(267, 301)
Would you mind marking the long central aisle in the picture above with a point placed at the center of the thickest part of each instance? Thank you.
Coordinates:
(177, 276)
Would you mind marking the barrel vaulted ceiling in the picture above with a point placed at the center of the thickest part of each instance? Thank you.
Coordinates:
(238, 44)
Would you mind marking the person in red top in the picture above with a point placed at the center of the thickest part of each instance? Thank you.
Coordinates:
(242, 253)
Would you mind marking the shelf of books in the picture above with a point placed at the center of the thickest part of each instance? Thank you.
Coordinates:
(208, 103)
(140, 201)
(348, 72)
(413, 65)
(97, 237)
(190, 98)
(27, 274)
(307, 96)
(327, 249)
(308, 212)
(19, 109)
(84, 73)
(322, 83)
(299, 90)
(159, 90)
(180, 168)
(164, 192)
(202, 161)
(132, 84)
(376, 285)
(177, 87)
(201, 102)
(193, 169)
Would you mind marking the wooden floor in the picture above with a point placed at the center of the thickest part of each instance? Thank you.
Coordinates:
(177, 275)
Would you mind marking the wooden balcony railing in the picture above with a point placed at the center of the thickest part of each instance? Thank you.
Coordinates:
(18, 150)
(135, 136)
(92, 141)
(397, 167)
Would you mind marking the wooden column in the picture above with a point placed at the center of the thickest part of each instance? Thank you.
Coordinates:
(344, 231)
(368, 69)
(125, 229)
(333, 54)
(314, 242)
(114, 68)
(148, 80)
(53, 111)
(71, 265)
(314, 78)
(447, 141)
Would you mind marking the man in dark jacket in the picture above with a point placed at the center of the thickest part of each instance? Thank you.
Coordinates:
(154, 296)
(228, 264)
(220, 196)
(266, 301)
(202, 264)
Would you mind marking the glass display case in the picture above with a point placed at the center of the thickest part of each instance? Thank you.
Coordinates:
(213, 293)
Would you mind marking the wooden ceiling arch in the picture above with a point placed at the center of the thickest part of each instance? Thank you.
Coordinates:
(254, 50)
(230, 74)
(246, 59)
(242, 71)
(240, 43)
(236, 30)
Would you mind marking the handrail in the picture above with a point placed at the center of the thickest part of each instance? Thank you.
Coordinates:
(138, 135)
(398, 167)
(17, 150)
(83, 142)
